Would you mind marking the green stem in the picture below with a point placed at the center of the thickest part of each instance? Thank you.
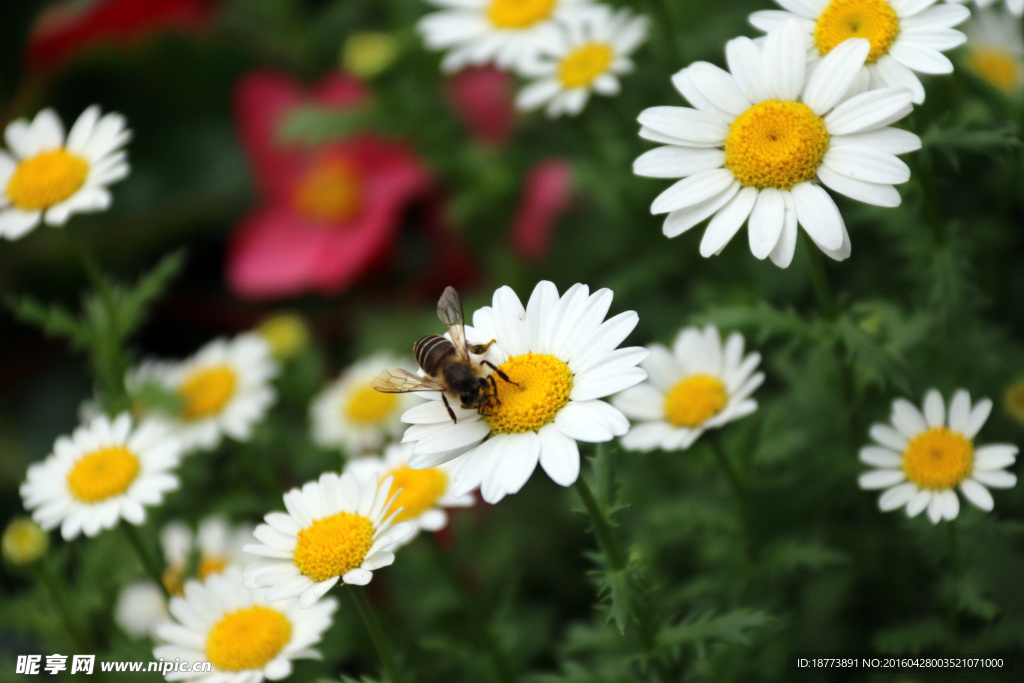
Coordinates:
(148, 563)
(602, 527)
(671, 51)
(109, 356)
(380, 641)
(953, 548)
(51, 584)
(819, 278)
(478, 624)
(738, 492)
(617, 563)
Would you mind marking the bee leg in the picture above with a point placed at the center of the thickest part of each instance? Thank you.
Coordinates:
(451, 413)
(495, 385)
(479, 349)
(500, 372)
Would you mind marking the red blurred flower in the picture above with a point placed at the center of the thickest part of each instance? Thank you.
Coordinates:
(327, 214)
(547, 194)
(66, 29)
(483, 98)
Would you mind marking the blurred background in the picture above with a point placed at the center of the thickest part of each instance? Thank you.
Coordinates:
(224, 97)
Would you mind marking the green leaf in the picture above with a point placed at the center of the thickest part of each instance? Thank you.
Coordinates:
(54, 320)
(134, 303)
(732, 627)
(157, 397)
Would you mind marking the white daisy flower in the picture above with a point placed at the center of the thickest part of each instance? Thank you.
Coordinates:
(995, 49)
(352, 415)
(1015, 6)
(336, 528)
(107, 470)
(563, 359)
(923, 458)
(906, 36)
(226, 387)
(140, 609)
(695, 386)
(217, 543)
(243, 635)
(47, 176)
(422, 494)
(762, 137)
(589, 55)
(506, 32)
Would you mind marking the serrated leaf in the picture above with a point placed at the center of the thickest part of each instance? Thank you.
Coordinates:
(732, 627)
(134, 303)
(54, 320)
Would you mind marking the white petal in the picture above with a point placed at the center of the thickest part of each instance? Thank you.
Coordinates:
(785, 60)
(719, 87)
(744, 59)
(977, 494)
(920, 58)
(891, 140)
(897, 497)
(907, 418)
(880, 479)
(728, 221)
(997, 479)
(679, 221)
(959, 411)
(766, 221)
(869, 193)
(995, 456)
(677, 162)
(782, 254)
(818, 215)
(976, 420)
(869, 111)
(895, 74)
(559, 456)
(867, 164)
(693, 190)
(698, 128)
(889, 437)
(834, 75)
(880, 457)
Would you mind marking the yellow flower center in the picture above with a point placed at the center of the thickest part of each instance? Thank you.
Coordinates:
(874, 20)
(366, 405)
(103, 474)
(333, 545)
(580, 67)
(519, 13)
(695, 400)
(247, 638)
(938, 459)
(210, 564)
(995, 66)
(1014, 401)
(331, 192)
(207, 391)
(173, 578)
(46, 179)
(776, 144)
(24, 542)
(286, 333)
(420, 490)
(544, 386)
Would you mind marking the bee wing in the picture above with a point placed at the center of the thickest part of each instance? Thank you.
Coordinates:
(399, 381)
(449, 310)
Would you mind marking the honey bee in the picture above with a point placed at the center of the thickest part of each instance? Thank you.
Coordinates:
(447, 364)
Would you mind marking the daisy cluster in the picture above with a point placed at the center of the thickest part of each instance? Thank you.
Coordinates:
(567, 50)
(810, 105)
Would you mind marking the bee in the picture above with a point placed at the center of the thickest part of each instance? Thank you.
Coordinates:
(447, 364)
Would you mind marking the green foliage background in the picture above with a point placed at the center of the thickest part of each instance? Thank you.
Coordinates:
(716, 589)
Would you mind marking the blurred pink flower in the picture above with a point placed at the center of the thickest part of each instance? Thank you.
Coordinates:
(327, 214)
(547, 194)
(483, 98)
(66, 29)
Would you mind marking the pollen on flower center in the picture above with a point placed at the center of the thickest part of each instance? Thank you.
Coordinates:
(420, 490)
(874, 20)
(210, 564)
(333, 545)
(518, 14)
(102, 474)
(582, 65)
(544, 383)
(776, 144)
(694, 400)
(938, 459)
(331, 191)
(207, 391)
(366, 405)
(995, 66)
(247, 638)
(46, 179)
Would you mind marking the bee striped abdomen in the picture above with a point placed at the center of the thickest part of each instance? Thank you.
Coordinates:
(430, 351)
